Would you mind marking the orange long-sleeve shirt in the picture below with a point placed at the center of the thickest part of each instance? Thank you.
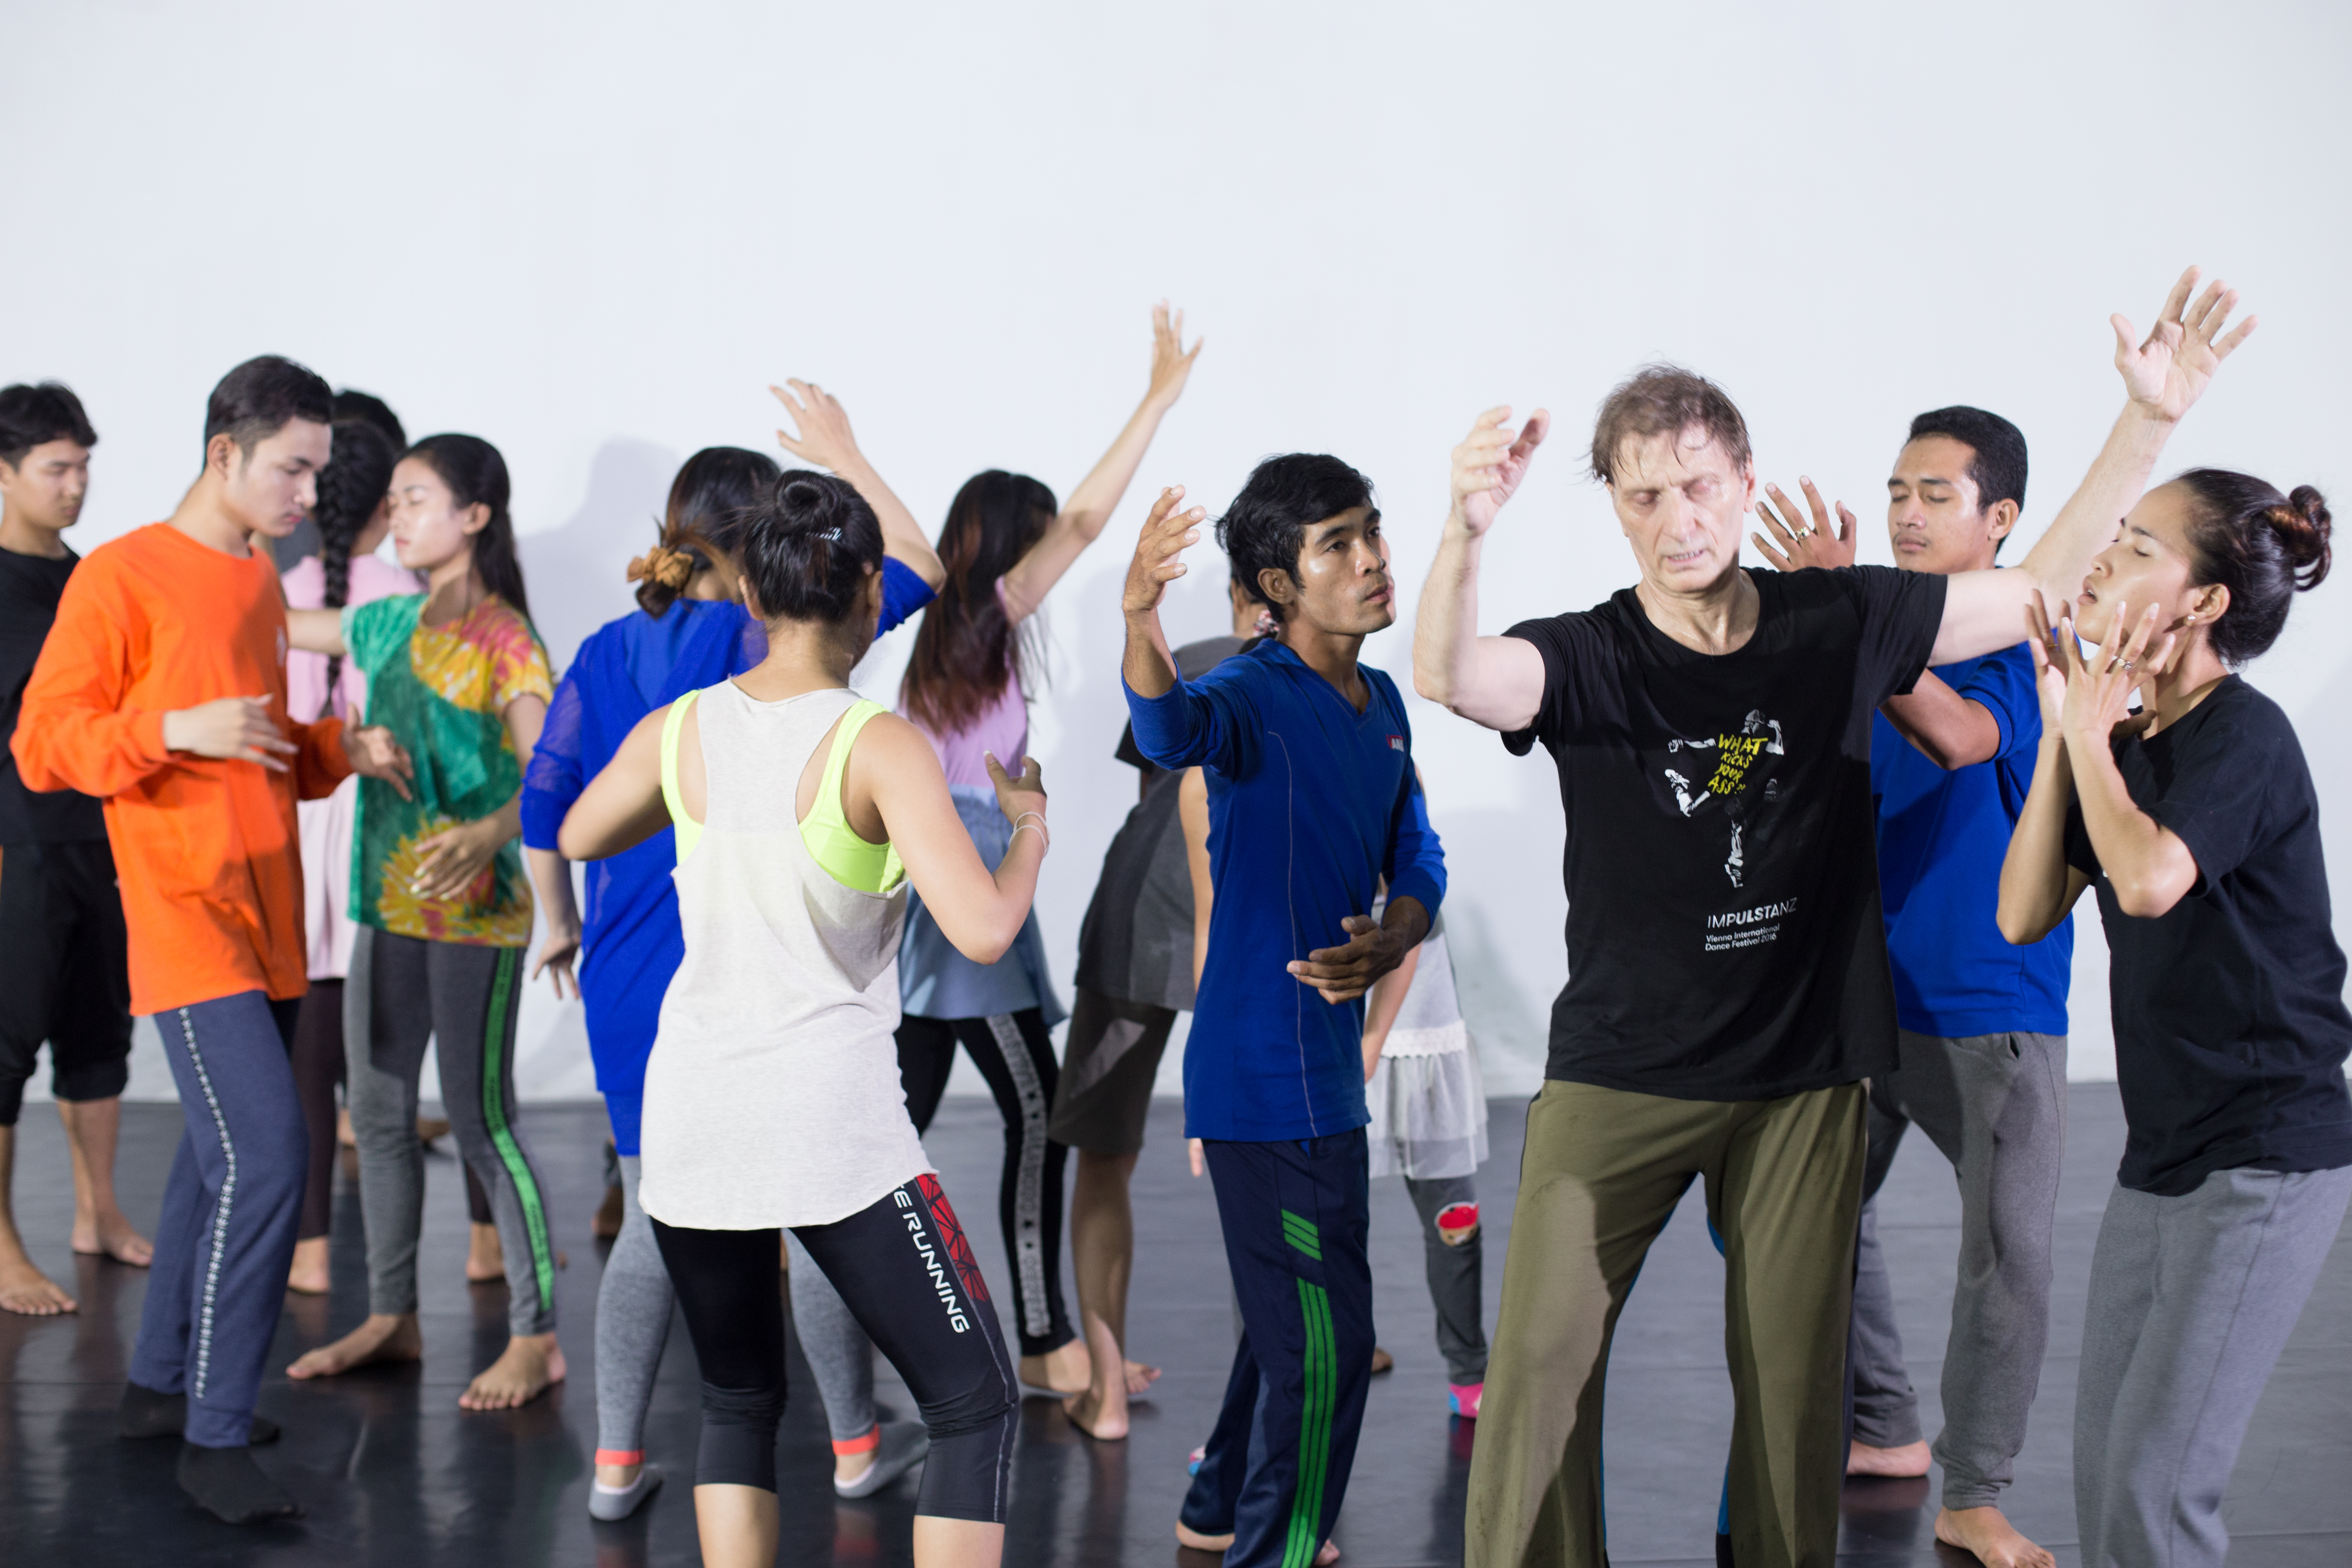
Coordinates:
(206, 850)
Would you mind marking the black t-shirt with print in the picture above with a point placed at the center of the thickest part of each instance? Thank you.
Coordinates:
(1724, 935)
(30, 587)
(2231, 1029)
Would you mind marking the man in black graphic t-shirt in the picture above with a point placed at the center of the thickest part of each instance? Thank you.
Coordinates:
(64, 975)
(1727, 985)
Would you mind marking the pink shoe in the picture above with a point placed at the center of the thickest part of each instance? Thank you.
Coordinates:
(1462, 1399)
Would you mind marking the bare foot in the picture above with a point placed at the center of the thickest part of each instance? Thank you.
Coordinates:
(1089, 1415)
(1065, 1370)
(531, 1364)
(1140, 1377)
(113, 1236)
(25, 1288)
(1986, 1532)
(307, 1277)
(1328, 1555)
(1382, 1362)
(486, 1260)
(1911, 1459)
(1199, 1542)
(382, 1337)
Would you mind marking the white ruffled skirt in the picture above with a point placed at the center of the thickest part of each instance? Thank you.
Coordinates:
(1428, 1106)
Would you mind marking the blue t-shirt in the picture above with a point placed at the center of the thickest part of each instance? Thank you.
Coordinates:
(1941, 839)
(630, 941)
(1310, 804)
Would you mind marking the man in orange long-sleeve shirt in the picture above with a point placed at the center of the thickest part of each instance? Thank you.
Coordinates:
(162, 689)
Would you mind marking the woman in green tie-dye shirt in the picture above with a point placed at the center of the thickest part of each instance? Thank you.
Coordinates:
(443, 907)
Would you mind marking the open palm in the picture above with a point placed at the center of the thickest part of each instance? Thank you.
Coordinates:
(1490, 463)
(2169, 370)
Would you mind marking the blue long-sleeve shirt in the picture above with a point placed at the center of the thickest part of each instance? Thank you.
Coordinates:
(1310, 804)
(630, 942)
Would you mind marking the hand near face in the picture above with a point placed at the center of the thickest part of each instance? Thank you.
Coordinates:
(1796, 544)
(2090, 695)
(2169, 370)
(1490, 464)
(1166, 533)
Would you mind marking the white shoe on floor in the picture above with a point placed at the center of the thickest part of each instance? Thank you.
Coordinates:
(903, 1446)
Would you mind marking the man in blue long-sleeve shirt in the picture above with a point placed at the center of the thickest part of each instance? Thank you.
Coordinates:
(1312, 802)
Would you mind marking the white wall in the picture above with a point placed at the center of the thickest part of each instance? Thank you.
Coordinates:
(593, 233)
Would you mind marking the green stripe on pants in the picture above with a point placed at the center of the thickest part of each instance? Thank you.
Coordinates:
(1321, 1369)
(495, 1045)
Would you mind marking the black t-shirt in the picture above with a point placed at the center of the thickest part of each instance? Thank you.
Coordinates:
(2231, 1029)
(1724, 935)
(30, 587)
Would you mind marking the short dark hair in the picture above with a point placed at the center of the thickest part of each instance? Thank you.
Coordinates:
(1665, 400)
(1265, 527)
(2265, 547)
(1998, 467)
(810, 546)
(375, 411)
(32, 416)
(261, 396)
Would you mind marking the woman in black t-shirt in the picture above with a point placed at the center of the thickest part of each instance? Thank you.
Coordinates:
(2197, 821)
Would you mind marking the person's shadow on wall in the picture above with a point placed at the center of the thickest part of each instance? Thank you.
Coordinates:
(577, 574)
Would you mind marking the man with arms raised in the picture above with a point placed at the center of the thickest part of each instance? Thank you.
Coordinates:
(1981, 1059)
(162, 689)
(1727, 981)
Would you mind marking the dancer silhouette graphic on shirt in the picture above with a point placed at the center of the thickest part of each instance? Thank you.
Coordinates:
(1735, 755)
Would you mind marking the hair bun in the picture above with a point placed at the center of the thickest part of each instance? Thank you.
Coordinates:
(2303, 526)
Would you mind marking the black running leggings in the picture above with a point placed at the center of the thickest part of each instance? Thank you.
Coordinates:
(907, 1273)
(1015, 1054)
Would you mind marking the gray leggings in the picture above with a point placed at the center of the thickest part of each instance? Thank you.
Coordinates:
(1457, 1276)
(462, 996)
(633, 1317)
(2192, 1298)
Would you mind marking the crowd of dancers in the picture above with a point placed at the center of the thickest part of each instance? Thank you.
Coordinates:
(1825, 825)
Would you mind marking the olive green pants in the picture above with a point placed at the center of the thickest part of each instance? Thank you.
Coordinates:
(1602, 1172)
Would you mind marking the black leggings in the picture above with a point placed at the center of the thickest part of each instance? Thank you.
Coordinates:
(1015, 1054)
(907, 1273)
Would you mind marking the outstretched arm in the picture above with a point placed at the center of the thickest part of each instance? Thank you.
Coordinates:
(2163, 375)
(824, 439)
(1495, 681)
(1089, 506)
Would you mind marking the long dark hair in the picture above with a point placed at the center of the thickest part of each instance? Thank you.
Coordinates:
(2265, 547)
(710, 503)
(967, 648)
(350, 487)
(477, 476)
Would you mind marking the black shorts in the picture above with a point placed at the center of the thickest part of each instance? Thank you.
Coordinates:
(1108, 1064)
(64, 974)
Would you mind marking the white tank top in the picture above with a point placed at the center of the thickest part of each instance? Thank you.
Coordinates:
(772, 1095)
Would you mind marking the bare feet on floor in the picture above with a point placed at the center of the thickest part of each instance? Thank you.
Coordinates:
(1988, 1533)
(382, 1337)
(531, 1364)
(1101, 1418)
(1199, 1542)
(486, 1260)
(1911, 1459)
(112, 1235)
(25, 1288)
(307, 1277)
(1067, 1370)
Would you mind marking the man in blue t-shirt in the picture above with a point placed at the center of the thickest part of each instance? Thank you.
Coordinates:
(1982, 1054)
(1313, 801)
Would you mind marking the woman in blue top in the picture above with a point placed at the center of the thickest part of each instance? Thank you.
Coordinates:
(691, 631)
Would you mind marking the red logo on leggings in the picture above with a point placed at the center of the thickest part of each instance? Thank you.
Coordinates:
(951, 1237)
(952, 1242)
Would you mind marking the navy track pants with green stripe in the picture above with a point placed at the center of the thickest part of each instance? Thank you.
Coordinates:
(1296, 1217)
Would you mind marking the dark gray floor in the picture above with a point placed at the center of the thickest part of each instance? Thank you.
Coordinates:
(392, 1473)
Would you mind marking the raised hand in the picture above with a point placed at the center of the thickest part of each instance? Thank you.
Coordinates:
(2168, 370)
(821, 435)
(234, 728)
(1172, 363)
(375, 754)
(1166, 534)
(1803, 543)
(1489, 463)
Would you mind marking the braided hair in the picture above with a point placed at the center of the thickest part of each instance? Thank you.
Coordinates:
(350, 487)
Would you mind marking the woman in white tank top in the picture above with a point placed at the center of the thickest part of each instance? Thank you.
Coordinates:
(772, 1096)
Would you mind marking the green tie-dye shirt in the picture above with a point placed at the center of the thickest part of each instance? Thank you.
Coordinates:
(441, 691)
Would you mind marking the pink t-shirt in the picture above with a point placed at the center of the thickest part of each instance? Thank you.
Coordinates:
(306, 673)
(1002, 728)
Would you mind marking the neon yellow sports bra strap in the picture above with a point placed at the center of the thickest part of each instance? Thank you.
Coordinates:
(690, 832)
(826, 832)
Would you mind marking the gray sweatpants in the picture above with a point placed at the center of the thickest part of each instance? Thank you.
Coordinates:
(2192, 1298)
(462, 996)
(1456, 1274)
(1996, 1106)
(632, 1315)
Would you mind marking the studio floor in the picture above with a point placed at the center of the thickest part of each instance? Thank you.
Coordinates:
(391, 1472)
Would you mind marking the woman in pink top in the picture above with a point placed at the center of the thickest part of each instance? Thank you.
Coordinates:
(1005, 545)
(354, 514)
